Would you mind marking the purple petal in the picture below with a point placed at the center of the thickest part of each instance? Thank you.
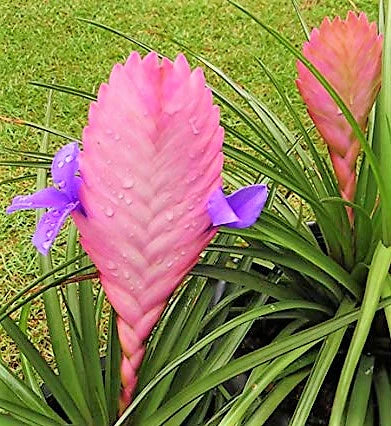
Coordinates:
(65, 165)
(219, 210)
(246, 204)
(49, 226)
(48, 197)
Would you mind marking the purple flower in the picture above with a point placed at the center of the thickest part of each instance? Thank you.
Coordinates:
(61, 200)
(238, 210)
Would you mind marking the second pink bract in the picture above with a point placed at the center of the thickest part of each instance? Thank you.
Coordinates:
(348, 53)
(151, 160)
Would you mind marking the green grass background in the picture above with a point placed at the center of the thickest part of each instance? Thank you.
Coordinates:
(42, 40)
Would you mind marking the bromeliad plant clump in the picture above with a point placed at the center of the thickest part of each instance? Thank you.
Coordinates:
(145, 194)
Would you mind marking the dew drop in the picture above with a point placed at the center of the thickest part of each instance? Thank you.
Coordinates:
(187, 226)
(62, 184)
(60, 164)
(49, 234)
(68, 158)
(176, 257)
(170, 216)
(128, 201)
(55, 213)
(159, 261)
(120, 196)
(190, 207)
(128, 183)
(111, 265)
(124, 255)
(108, 162)
(114, 274)
(109, 132)
(193, 126)
(109, 212)
(169, 264)
(46, 244)
(183, 252)
(117, 138)
(126, 275)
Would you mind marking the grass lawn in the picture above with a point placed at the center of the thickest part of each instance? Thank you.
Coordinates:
(42, 40)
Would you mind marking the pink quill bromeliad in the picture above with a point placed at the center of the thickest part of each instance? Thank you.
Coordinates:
(150, 197)
(348, 54)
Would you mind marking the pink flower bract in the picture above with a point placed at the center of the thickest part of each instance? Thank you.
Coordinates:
(151, 160)
(348, 53)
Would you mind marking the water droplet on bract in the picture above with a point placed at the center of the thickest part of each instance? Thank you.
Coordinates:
(117, 138)
(46, 244)
(49, 234)
(124, 255)
(109, 132)
(120, 196)
(109, 212)
(47, 220)
(159, 261)
(111, 265)
(55, 213)
(272, 307)
(190, 207)
(60, 164)
(187, 226)
(114, 274)
(62, 184)
(176, 257)
(131, 235)
(193, 126)
(339, 112)
(128, 183)
(126, 275)
(183, 252)
(29, 203)
(169, 264)
(170, 216)
(131, 288)
(108, 162)
(128, 201)
(192, 155)
(68, 158)
(52, 225)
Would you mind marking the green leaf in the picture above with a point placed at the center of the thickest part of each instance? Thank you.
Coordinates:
(359, 398)
(90, 352)
(303, 24)
(113, 366)
(250, 280)
(377, 274)
(383, 395)
(51, 380)
(275, 397)
(22, 394)
(31, 417)
(320, 369)
(382, 133)
(238, 411)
